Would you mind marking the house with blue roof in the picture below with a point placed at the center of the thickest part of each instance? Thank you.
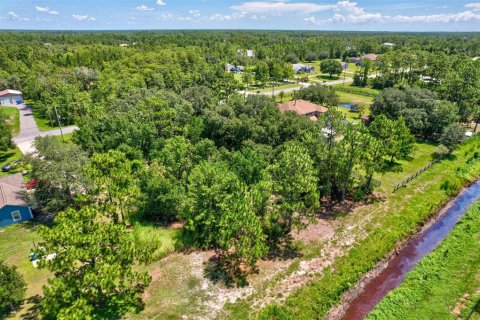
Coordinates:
(13, 208)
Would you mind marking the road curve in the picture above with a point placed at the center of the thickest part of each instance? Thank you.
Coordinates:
(25, 140)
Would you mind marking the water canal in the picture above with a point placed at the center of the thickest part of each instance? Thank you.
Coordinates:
(407, 257)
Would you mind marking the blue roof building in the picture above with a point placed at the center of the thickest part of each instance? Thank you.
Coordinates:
(13, 209)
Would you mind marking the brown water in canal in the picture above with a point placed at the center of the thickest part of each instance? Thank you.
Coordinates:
(407, 258)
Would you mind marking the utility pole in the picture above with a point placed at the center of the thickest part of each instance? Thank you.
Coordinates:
(59, 123)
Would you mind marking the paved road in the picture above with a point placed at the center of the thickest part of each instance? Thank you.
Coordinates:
(25, 140)
(301, 85)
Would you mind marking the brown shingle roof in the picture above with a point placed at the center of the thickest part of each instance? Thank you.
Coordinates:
(10, 190)
(370, 56)
(302, 107)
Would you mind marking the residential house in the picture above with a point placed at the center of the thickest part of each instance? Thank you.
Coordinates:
(249, 53)
(13, 209)
(370, 56)
(10, 97)
(302, 68)
(389, 44)
(303, 108)
(233, 68)
(355, 60)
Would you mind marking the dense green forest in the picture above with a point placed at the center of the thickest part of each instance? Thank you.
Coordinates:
(165, 138)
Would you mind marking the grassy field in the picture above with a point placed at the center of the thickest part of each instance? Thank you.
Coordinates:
(446, 283)
(13, 116)
(67, 136)
(391, 221)
(43, 124)
(421, 157)
(277, 88)
(354, 98)
(16, 241)
(366, 90)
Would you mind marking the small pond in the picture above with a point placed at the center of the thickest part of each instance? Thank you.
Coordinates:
(349, 106)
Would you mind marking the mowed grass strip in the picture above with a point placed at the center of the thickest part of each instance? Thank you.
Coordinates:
(13, 118)
(394, 220)
(441, 283)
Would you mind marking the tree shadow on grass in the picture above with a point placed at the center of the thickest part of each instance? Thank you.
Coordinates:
(32, 312)
(219, 269)
(4, 156)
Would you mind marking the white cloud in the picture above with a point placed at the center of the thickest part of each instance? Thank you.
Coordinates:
(184, 18)
(281, 6)
(194, 13)
(161, 2)
(475, 6)
(15, 17)
(350, 12)
(438, 18)
(226, 17)
(144, 8)
(79, 17)
(256, 17)
(12, 15)
(46, 10)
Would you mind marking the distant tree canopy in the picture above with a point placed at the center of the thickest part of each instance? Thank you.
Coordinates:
(424, 114)
(331, 67)
(320, 94)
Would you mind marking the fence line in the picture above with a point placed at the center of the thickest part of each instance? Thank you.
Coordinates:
(416, 174)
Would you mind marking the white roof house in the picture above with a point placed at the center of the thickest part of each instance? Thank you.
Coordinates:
(249, 53)
(10, 97)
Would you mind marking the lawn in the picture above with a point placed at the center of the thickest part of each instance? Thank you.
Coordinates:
(16, 241)
(420, 158)
(277, 88)
(352, 116)
(366, 90)
(446, 283)
(13, 116)
(43, 124)
(67, 136)
(346, 97)
(7, 156)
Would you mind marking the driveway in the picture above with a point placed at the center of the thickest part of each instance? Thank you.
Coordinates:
(25, 140)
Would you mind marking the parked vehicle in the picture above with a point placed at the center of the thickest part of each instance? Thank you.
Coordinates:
(11, 166)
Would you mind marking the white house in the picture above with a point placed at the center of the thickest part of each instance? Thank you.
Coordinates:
(10, 97)
(249, 53)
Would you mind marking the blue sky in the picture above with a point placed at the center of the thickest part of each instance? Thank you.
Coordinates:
(365, 15)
